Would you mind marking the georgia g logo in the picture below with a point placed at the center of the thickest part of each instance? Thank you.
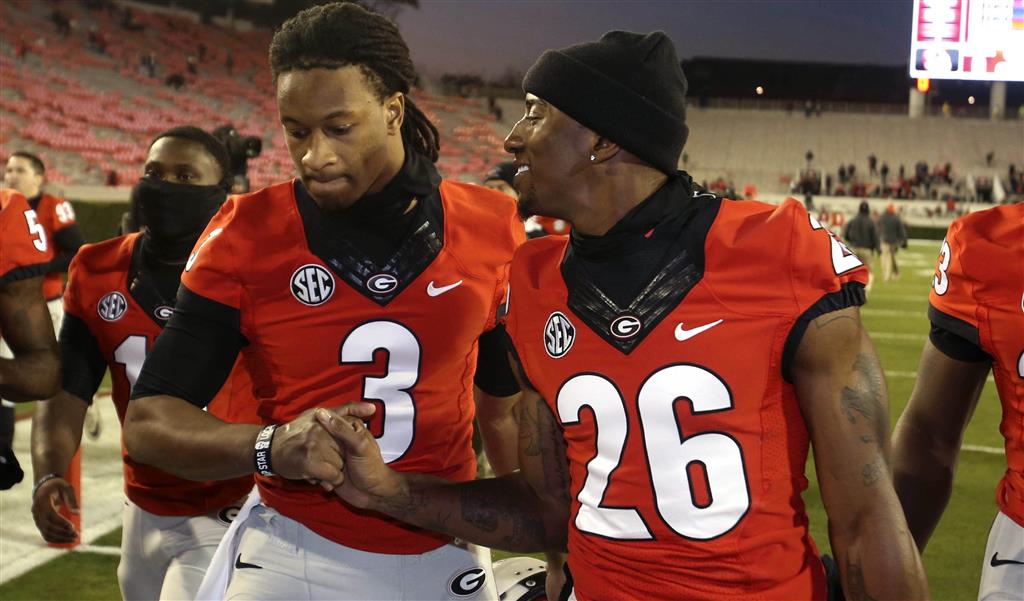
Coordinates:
(625, 326)
(312, 285)
(112, 306)
(468, 582)
(559, 334)
(382, 283)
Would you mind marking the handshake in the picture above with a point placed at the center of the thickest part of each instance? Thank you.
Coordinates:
(331, 448)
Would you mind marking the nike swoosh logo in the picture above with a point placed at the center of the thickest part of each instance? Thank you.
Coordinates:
(433, 290)
(996, 562)
(239, 564)
(682, 334)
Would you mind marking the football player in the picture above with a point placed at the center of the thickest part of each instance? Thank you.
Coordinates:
(976, 309)
(120, 295)
(25, 253)
(678, 354)
(25, 172)
(368, 277)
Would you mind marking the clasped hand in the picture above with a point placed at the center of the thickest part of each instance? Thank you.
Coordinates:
(305, 449)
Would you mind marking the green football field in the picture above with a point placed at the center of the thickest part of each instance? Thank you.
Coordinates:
(896, 317)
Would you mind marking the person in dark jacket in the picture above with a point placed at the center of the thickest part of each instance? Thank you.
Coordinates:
(861, 235)
(894, 236)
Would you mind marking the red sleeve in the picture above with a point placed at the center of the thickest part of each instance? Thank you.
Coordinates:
(211, 269)
(56, 214)
(24, 246)
(501, 293)
(952, 304)
(820, 264)
(952, 290)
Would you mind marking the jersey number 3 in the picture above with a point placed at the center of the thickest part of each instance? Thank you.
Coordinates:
(674, 460)
(394, 388)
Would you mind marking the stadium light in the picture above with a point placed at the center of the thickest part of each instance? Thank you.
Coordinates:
(970, 100)
(759, 90)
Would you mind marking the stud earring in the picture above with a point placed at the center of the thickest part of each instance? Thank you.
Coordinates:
(593, 158)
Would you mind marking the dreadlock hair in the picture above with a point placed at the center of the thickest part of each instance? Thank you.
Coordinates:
(341, 34)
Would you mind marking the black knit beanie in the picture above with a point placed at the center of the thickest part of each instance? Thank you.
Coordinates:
(627, 87)
(506, 172)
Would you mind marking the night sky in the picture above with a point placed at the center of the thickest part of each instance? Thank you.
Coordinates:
(487, 37)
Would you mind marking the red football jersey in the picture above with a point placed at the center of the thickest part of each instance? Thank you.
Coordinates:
(54, 214)
(687, 452)
(25, 248)
(98, 294)
(979, 281)
(317, 341)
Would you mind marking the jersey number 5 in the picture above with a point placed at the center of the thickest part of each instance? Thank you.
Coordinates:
(36, 229)
(674, 460)
(394, 388)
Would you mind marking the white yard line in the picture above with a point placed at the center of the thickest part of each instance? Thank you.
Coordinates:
(21, 547)
(983, 449)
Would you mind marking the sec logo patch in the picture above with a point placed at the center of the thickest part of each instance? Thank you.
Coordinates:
(467, 582)
(312, 285)
(559, 334)
(112, 306)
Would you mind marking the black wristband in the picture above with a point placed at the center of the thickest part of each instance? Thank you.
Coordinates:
(262, 451)
(40, 482)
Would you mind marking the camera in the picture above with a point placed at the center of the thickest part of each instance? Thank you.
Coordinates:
(240, 148)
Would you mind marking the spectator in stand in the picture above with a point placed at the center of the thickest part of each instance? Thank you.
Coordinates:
(884, 172)
(872, 164)
(191, 65)
(229, 63)
(842, 174)
(61, 22)
(21, 49)
(175, 80)
(862, 236)
(894, 236)
(990, 158)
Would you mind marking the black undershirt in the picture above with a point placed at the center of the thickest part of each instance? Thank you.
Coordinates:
(205, 332)
(624, 260)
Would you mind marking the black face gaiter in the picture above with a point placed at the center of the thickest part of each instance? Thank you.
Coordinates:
(175, 215)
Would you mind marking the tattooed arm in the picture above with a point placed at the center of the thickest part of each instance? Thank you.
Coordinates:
(927, 438)
(34, 372)
(526, 511)
(842, 396)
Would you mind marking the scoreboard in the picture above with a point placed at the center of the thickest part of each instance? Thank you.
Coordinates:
(968, 39)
